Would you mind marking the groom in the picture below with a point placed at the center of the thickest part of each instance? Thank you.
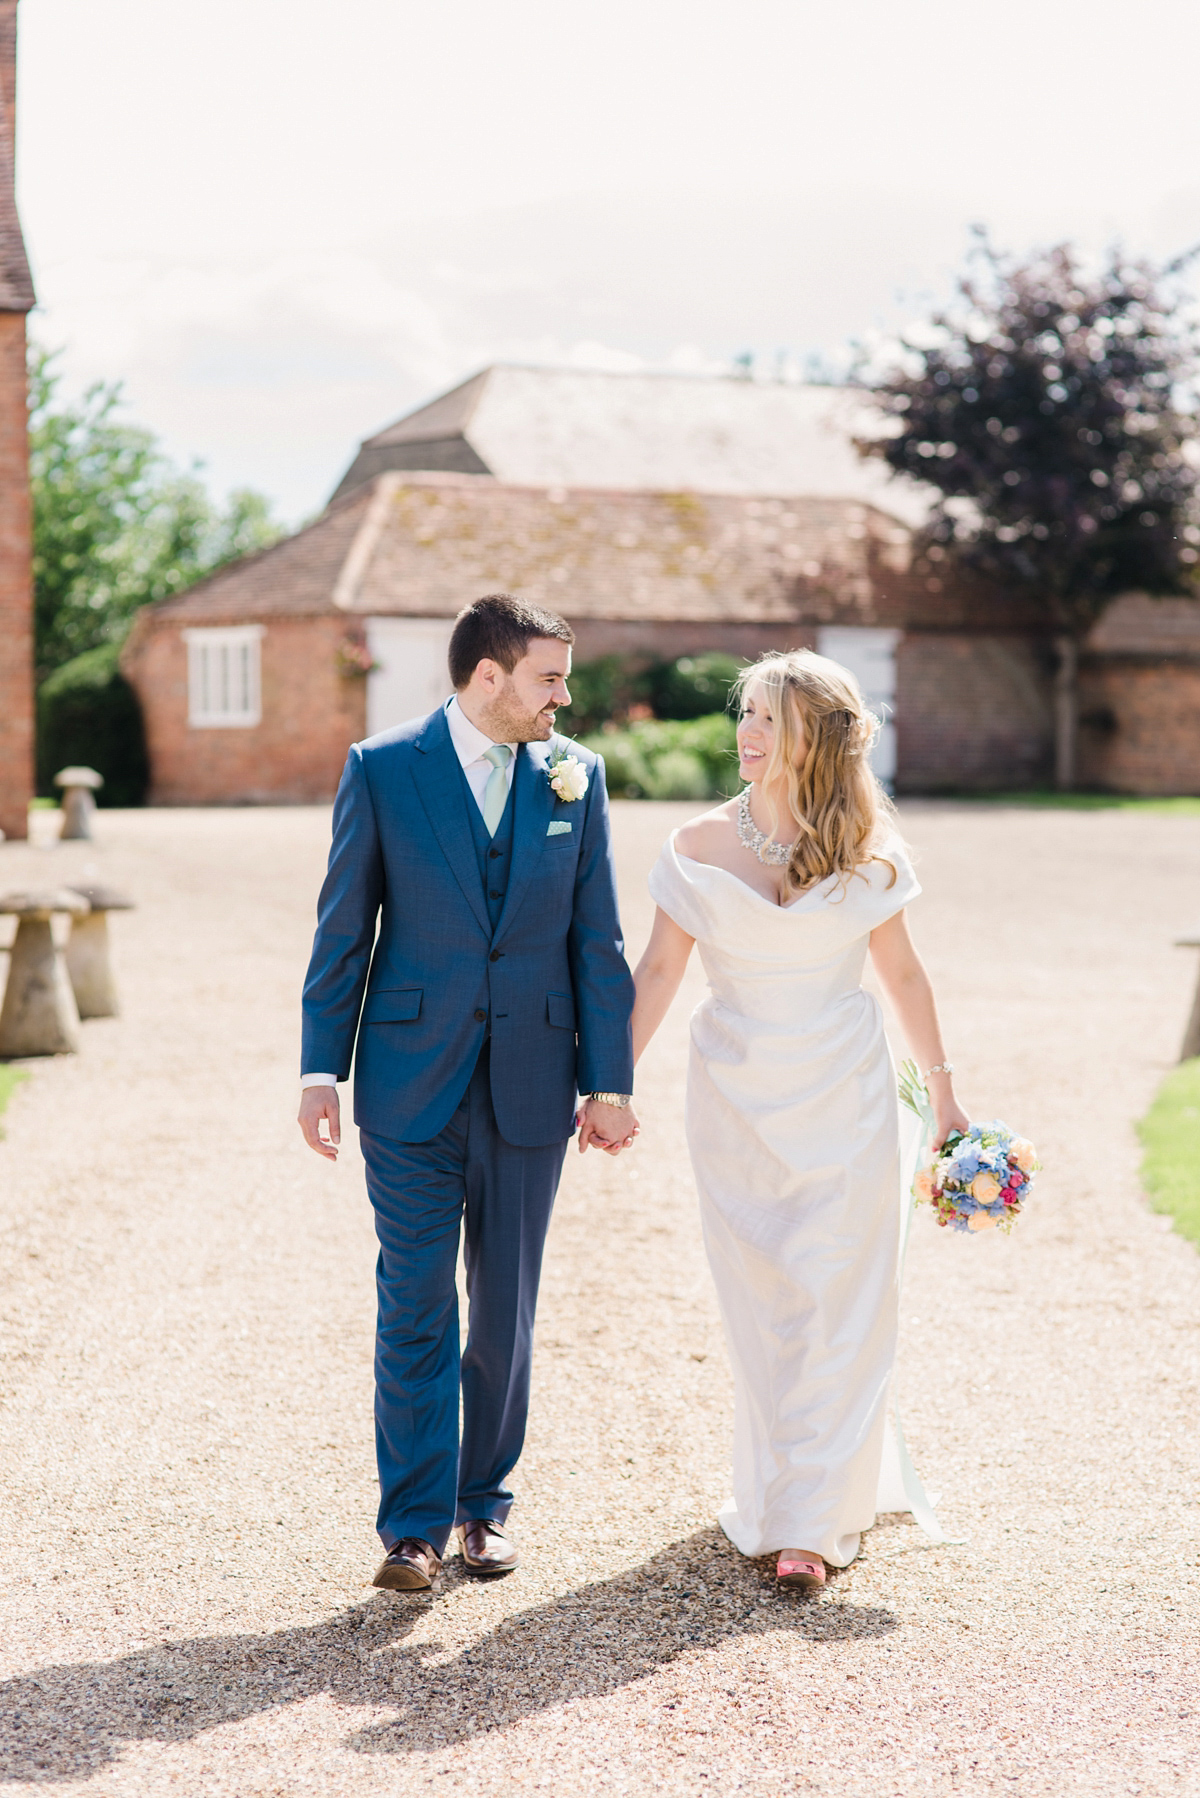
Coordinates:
(496, 989)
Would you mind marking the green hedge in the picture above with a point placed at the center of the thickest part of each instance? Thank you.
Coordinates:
(607, 690)
(1170, 1133)
(694, 686)
(670, 759)
(88, 714)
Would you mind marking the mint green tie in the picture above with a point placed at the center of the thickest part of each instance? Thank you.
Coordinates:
(495, 794)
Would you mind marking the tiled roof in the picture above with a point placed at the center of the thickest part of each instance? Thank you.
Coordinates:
(447, 416)
(545, 427)
(1136, 624)
(609, 555)
(426, 545)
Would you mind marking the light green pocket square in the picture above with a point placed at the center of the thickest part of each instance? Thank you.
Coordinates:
(558, 827)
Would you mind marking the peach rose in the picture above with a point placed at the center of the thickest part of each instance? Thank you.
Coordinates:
(979, 1220)
(1024, 1154)
(923, 1185)
(985, 1188)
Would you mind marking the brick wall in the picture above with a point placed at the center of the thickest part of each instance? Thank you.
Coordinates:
(16, 597)
(1140, 724)
(972, 713)
(310, 716)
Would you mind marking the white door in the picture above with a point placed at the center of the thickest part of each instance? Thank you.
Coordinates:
(412, 677)
(870, 655)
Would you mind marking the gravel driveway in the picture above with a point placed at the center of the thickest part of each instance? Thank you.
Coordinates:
(187, 1314)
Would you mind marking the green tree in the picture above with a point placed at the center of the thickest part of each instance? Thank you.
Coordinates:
(1049, 410)
(115, 523)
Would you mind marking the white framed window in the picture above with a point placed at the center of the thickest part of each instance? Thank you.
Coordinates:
(224, 676)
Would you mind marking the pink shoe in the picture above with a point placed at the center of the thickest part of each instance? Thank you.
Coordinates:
(805, 1571)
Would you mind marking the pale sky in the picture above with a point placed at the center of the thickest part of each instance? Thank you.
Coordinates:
(284, 224)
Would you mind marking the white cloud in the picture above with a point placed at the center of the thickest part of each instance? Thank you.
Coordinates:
(282, 224)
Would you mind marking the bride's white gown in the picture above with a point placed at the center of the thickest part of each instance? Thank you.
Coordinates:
(793, 1129)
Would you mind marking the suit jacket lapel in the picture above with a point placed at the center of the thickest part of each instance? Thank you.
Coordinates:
(439, 781)
(533, 807)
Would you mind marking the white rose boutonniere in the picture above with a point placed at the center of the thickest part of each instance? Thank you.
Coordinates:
(568, 777)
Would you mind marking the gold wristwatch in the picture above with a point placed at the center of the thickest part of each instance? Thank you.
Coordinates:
(620, 1100)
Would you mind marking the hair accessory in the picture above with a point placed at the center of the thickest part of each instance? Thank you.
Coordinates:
(943, 1067)
(771, 854)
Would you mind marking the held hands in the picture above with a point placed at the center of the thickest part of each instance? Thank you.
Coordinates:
(608, 1127)
(320, 1104)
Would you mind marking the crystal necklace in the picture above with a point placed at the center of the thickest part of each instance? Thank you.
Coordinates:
(772, 855)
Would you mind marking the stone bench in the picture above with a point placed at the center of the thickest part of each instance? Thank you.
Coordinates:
(1191, 1035)
(88, 961)
(39, 1015)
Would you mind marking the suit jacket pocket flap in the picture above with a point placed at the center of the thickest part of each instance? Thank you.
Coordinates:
(400, 1005)
(560, 1010)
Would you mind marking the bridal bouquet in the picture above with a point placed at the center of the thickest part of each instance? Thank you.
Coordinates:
(975, 1182)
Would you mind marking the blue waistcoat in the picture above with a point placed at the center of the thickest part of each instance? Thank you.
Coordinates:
(494, 854)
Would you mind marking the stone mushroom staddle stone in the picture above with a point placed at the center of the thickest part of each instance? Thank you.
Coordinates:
(1191, 1037)
(79, 807)
(39, 1015)
(88, 961)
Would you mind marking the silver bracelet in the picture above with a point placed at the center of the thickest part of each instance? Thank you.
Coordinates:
(943, 1067)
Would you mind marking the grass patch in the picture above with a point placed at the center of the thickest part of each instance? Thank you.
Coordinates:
(10, 1079)
(1170, 1133)
(1186, 806)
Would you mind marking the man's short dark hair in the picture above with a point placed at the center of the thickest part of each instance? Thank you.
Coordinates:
(499, 628)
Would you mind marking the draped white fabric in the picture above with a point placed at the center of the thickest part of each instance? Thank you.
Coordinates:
(793, 1131)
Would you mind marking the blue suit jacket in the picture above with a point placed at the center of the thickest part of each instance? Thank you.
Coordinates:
(552, 982)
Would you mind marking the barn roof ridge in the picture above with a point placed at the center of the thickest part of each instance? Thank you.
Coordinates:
(651, 430)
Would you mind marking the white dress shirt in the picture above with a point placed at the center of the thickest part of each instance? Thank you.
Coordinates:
(470, 745)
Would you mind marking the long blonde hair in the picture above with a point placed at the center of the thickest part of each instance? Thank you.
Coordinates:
(841, 807)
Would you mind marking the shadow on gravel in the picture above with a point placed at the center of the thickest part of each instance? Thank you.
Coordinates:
(66, 1722)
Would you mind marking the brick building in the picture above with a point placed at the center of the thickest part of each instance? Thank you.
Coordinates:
(252, 682)
(16, 589)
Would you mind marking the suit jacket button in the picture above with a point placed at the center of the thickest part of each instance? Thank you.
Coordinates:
(495, 895)
(481, 1017)
(495, 955)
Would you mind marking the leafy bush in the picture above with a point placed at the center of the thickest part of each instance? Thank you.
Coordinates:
(692, 687)
(603, 692)
(87, 713)
(670, 758)
(114, 522)
(612, 689)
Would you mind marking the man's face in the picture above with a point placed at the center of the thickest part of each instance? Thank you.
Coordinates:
(520, 707)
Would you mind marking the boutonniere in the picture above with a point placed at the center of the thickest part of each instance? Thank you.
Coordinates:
(568, 776)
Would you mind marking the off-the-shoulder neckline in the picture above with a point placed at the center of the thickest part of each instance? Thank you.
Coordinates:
(745, 885)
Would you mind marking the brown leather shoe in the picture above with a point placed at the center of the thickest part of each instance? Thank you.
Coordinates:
(487, 1547)
(412, 1566)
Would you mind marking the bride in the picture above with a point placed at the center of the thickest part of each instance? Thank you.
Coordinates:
(791, 1108)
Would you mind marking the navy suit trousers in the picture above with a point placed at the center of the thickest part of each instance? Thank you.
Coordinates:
(423, 1193)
